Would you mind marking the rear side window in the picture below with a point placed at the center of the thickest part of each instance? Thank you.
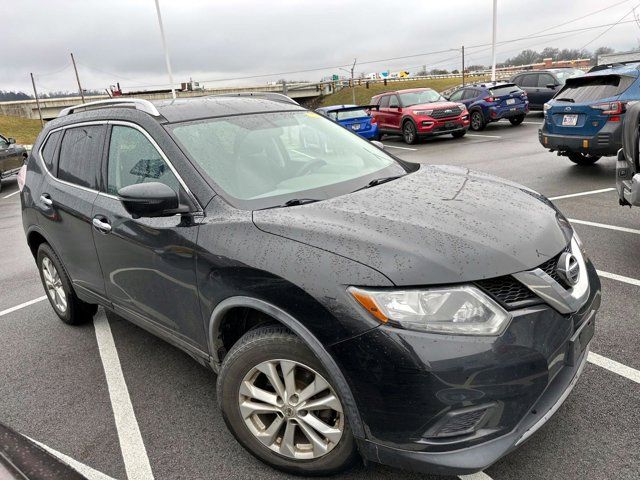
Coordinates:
(133, 159)
(81, 155)
(529, 80)
(49, 151)
(470, 93)
(384, 101)
(588, 89)
(456, 96)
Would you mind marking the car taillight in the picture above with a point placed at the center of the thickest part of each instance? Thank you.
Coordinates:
(22, 177)
(373, 120)
(489, 99)
(610, 108)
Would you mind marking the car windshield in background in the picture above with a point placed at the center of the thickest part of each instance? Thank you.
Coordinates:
(350, 114)
(589, 89)
(265, 160)
(419, 97)
(504, 90)
(562, 75)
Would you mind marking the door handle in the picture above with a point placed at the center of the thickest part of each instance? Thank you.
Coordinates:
(46, 199)
(101, 225)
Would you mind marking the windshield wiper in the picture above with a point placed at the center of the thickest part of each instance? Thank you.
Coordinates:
(299, 201)
(378, 181)
(571, 100)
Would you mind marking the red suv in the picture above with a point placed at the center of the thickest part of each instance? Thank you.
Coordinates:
(419, 112)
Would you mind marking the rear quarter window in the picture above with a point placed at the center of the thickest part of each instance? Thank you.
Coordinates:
(589, 89)
(49, 151)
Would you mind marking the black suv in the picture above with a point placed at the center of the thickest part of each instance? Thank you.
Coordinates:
(542, 85)
(427, 317)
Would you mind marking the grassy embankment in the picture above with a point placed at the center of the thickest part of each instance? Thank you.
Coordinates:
(363, 94)
(24, 130)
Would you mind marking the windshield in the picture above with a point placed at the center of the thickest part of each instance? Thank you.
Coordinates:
(348, 115)
(562, 75)
(589, 89)
(420, 96)
(264, 160)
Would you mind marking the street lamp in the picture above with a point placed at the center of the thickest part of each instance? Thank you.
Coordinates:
(353, 83)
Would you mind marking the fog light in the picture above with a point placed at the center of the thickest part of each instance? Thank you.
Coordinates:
(585, 143)
(463, 421)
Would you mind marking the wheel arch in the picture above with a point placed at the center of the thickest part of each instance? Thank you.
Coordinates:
(276, 314)
(35, 238)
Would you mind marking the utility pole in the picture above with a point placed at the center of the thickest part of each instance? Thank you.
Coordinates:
(493, 41)
(353, 84)
(35, 92)
(75, 69)
(463, 65)
(166, 50)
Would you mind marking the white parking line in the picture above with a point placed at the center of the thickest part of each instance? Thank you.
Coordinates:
(22, 305)
(479, 135)
(134, 453)
(86, 470)
(580, 194)
(11, 194)
(476, 476)
(604, 225)
(619, 278)
(401, 148)
(615, 367)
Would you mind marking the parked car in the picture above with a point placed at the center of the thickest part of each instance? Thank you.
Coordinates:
(12, 157)
(417, 113)
(542, 85)
(353, 117)
(628, 164)
(584, 120)
(425, 317)
(491, 101)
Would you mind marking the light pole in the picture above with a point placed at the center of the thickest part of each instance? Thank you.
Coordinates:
(493, 41)
(166, 50)
(353, 83)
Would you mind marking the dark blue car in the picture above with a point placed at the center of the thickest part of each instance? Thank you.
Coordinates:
(353, 117)
(491, 101)
(584, 120)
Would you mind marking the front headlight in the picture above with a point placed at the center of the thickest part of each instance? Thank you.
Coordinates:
(546, 107)
(463, 310)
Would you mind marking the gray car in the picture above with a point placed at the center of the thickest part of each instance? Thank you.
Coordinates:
(12, 157)
(542, 85)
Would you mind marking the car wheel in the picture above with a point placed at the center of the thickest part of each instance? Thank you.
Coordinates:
(409, 132)
(583, 158)
(515, 121)
(57, 285)
(459, 133)
(278, 401)
(477, 121)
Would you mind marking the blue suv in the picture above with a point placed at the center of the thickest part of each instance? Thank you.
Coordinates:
(491, 101)
(584, 119)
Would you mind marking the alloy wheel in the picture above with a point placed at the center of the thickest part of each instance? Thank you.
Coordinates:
(291, 409)
(53, 285)
(409, 132)
(476, 120)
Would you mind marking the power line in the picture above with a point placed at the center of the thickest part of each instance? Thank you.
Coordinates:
(601, 34)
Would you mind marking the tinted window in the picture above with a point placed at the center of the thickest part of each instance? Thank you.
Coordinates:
(49, 150)
(384, 101)
(529, 80)
(81, 155)
(393, 102)
(504, 90)
(456, 96)
(562, 75)
(133, 159)
(587, 89)
(470, 93)
(350, 114)
(545, 79)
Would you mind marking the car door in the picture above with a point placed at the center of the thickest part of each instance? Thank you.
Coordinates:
(72, 157)
(383, 112)
(148, 263)
(394, 112)
(545, 92)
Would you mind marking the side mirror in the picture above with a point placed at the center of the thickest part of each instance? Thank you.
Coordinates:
(551, 85)
(378, 144)
(153, 199)
(11, 140)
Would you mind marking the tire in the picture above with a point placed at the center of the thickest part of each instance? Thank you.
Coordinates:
(459, 133)
(409, 132)
(583, 158)
(57, 285)
(515, 121)
(477, 122)
(276, 348)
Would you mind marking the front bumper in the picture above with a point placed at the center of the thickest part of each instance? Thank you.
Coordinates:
(405, 383)
(606, 142)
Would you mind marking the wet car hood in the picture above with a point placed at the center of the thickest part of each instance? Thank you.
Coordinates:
(437, 225)
(434, 105)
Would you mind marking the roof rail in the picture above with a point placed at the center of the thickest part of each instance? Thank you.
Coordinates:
(138, 103)
(276, 97)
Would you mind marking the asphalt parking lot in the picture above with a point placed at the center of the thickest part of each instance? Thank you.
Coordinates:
(124, 404)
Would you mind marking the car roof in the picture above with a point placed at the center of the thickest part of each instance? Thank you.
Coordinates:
(631, 69)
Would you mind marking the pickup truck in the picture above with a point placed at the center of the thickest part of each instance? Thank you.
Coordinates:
(12, 157)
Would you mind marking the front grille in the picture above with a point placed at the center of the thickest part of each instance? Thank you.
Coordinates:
(446, 112)
(508, 291)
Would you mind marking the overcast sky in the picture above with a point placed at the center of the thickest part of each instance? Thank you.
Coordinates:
(214, 41)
